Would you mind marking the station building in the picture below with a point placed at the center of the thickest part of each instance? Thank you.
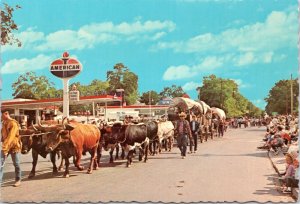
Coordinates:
(105, 107)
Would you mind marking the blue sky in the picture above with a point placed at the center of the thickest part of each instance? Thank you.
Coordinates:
(164, 42)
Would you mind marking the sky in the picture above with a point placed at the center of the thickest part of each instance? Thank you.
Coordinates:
(164, 42)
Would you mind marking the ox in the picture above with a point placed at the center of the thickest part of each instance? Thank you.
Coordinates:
(74, 138)
(165, 132)
(107, 141)
(110, 137)
(31, 138)
(115, 135)
(131, 137)
(136, 136)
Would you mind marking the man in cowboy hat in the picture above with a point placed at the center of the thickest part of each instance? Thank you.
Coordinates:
(11, 144)
(182, 128)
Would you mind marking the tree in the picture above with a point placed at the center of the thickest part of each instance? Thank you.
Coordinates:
(279, 97)
(173, 91)
(223, 93)
(96, 87)
(122, 78)
(150, 96)
(8, 25)
(31, 86)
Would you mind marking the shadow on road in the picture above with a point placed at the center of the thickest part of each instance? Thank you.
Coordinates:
(257, 154)
(274, 188)
(178, 157)
(268, 191)
(40, 175)
(257, 130)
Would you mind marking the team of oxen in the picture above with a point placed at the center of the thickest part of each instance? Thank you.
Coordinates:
(68, 138)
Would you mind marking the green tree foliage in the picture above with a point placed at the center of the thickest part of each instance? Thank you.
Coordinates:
(122, 78)
(150, 96)
(97, 87)
(223, 93)
(30, 86)
(173, 91)
(279, 97)
(8, 25)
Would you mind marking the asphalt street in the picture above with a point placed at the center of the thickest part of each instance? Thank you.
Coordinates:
(224, 169)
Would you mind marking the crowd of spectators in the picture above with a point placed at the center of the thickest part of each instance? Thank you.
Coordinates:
(239, 122)
(282, 135)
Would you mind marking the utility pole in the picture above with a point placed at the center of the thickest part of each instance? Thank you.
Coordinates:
(286, 104)
(292, 94)
(198, 89)
(221, 95)
(150, 104)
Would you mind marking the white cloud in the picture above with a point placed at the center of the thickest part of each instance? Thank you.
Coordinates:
(250, 44)
(209, 63)
(24, 64)
(178, 72)
(247, 58)
(89, 35)
(158, 35)
(29, 39)
(253, 58)
(259, 103)
(278, 31)
(241, 84)
(184, 71)
(191, 86)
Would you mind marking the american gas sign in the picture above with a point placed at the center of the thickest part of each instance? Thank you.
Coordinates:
(65, 67)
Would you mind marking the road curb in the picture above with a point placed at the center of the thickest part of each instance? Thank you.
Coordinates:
(295, 191)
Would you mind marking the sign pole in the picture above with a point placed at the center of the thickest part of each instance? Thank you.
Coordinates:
(292, 95)
(66, 68)
(66, 98)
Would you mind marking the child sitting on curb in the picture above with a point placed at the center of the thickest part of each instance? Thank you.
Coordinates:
(288, 180)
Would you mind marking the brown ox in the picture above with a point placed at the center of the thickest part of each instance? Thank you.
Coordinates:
(73, 139)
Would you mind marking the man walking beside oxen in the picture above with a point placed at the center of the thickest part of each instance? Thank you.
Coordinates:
(182, 128)
(11, 144)
(194, 125)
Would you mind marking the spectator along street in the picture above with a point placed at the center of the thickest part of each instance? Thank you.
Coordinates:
(223, 169)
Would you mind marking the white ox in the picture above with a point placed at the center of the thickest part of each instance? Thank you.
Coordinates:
(165, 132)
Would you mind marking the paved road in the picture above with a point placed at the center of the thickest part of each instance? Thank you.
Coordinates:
(224, 169)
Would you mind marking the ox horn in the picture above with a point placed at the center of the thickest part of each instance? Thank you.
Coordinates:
(40, 125)
(33, 126)
(63, 122)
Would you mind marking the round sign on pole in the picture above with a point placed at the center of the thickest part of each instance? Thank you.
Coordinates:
(65, 67)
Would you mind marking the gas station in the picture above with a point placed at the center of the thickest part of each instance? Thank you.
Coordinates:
(67, 68)
(35, 108)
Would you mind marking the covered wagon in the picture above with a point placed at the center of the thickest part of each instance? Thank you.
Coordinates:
(187, 105)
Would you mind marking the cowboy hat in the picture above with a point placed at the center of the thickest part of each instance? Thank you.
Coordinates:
(182, 114)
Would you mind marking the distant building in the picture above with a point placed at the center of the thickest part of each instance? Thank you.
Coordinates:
(165, 101)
